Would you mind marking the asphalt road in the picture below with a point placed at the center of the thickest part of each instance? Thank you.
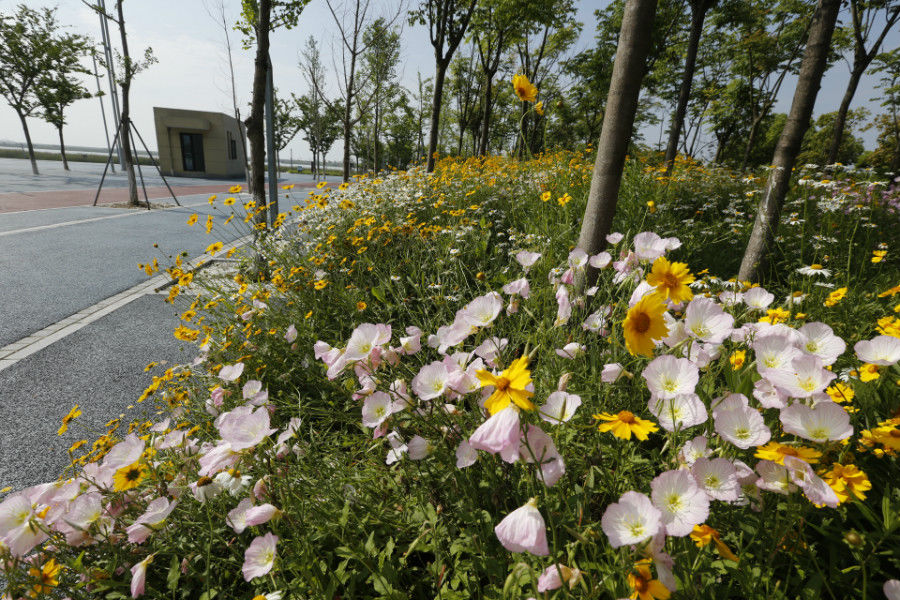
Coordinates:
(100, 368)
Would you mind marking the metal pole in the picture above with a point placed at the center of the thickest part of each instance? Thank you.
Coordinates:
(270, 150)
(105, 168)
(102, 108)
(137, 159)
(155, 164)
(110, 69)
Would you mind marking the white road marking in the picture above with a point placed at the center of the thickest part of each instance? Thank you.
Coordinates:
(130, 213)
(13, 353)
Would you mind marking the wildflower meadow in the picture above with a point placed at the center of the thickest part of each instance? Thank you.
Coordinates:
(404, 390)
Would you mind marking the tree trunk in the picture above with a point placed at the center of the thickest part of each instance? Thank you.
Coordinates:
(62, 149)
(618, 123)
(486, 117)
(436, 112)
(698, 15)
(124, 121)
(815, 59)
(841, 117)
(34, 168)
(255, 132)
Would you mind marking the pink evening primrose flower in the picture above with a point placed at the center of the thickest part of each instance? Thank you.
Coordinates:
(826, 422)
(518, 287)
(611, 372)
(891, 589)
(818, 339)
(600, 261)
(758, 298)
(157, 512)
(668, 376)
(245, 514)
(678, 412)
(803, 379)
(742, 426)
(431, 381)
(127, 452)
(527, 259)
(773, 352)
(139, 577)
(648, 246)
(501, 434)
(259, 558)
(682, 503)
(705, 320)
(524, 530)
(614, 237)
(482, 311)
(559, 407)
(244, 427)
(466, 455)
(717, 477)
(229, 373)
(814, 488)
(290, 335)
(572, 350)
(883, 350)
(631, 520)
(376, 409)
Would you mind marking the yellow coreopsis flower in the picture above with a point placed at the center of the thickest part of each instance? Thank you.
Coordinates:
(214, 247)
(525, 90)
(840, 392)
(624, 423)
(644, 324)
(737, 359)
(868, 372)
(643, 584)
(671, 280)
(235, 189)
(704, 534)
(835, 297)
(509, 387)
(46, 577)
(127, 478)
(73, 414)
(846, 480)
(878, 255)
(539, 108)
(776, 452)
(192, 220)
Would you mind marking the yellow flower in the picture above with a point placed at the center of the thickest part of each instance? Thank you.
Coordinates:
(46, 576)
(360, 305)
(235, 189)
(545, 196)
(321, 184)
(624, 423)
(212, 199)
(737, 359)
(343, 186)
(868, 372)
(564, 199)
(73, 414)
(229, 201)
(889, 326)
(835, 297)
(129, 477)
(671, 280)
(539, 108)
(704, 534)
(209, 223)
(846, 480)
(214, 247)
(776, 452)
(775, 316)
(509, 386)
(525, 90)
(878, 255)
(320, 284)
(644, 324)
(643, 584)
(840, 392)
(192, 220)
(186, 334)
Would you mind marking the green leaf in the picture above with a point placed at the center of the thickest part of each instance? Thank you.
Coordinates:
(174, 574)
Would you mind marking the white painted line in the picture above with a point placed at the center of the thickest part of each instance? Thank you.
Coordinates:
(20, 349)
(131, 212)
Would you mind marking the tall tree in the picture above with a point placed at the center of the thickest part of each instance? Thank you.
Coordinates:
(380, 63)
(59, 87)
(26, 41)
(888, 124)
(618, 123)
(258, 19)
(699, 8)
(447, 21)
(864, 14)
(815, 59)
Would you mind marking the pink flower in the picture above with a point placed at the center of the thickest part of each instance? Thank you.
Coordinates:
(717, 477)
(804, 378)
(527, 259)
(817, 491)
(611, 372)
(229, 373)
(883, 350)
(649, 246)
(157, 512)
(481, 311)
(631, 520)
(668, 376)
(564, 306)
(555, 575)
(600, 261)
(431, 381)
(139, 576)
(246, 515)
(682, 503)
(826, 422)
(741, 425)
(126, 452)
(500, 433)
(291, 334)
(244, 429)
(259, 557)
(524, 530)
(466, 455)
(559, 407)
(572, 350)
(376, 409)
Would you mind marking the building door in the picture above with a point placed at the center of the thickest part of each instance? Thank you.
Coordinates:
(192, 152)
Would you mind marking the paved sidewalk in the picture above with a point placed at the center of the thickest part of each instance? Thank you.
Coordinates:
(19, 201)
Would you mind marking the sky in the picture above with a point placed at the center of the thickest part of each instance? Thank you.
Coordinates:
(192, 71)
